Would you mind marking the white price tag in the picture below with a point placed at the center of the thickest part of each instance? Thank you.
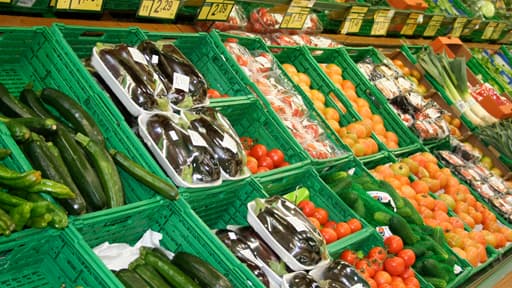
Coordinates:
(137, 56)
(384, 231)
(457, 269)
(180, 81)
(154, 59)
(229, 143)
(383, 197)
(197, 140)
(173, 135)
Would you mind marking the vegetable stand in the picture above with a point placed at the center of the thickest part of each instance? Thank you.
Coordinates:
(213, 222)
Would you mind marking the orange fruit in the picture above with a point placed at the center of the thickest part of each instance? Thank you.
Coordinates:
(391, 136)
(441, 216)
(365, 112)
(373, 145)
(459, 252)
(351, 95)
(337, 80)
(317, 95)
(420, 187)
(406, 71)
(334, 125)
(446, 226)
(304, 78)
(334, 68)
(289, 68)
(441, 206)
(403, 179)
(456, 123)
(432, 170)
(385, 171)
(407, 191)
(456, 222)
(398, 63)
(361, 103)
(349, 141)
(376, 119)
(358, 149)
(357, 129)
(319, 106)
(348, 85)
(379, 129)
(368, 147)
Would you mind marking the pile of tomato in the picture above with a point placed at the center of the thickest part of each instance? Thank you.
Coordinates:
(330, 230)
(260, 159)
(214, 94)
(387, 267)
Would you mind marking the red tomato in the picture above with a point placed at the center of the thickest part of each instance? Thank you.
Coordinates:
(258, 151)
(262, 169)
(321, 214)
(266, 162)
(284, 164)
(408, 256)
(342, 230)
(329, 235)
(394, 244)
(331, 225)
(349, 256)
(307, 207)
(412, 282)
(252, 164)
(364, 266)
(355, 225)
(277, 156)
(377, 253)
(395, 266)
(372, 283)
(408, 273)
(315, 222)
(377, 264)
(212, 93)
(382, 277)
(247, 143)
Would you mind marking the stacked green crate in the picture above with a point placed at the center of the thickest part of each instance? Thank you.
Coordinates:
(256, 44)
(366, 90)
(51, 258)
(301, 58)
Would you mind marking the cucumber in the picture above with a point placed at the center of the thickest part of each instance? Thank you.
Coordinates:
(33, 101)
(199, 270)
(19, 132)
(131, 279)
(11, 107)
(400, 227)
(42, 158)
(382, 218)
(164, 188)
(150, 275)
(436, 282)
(72, 112)
(81, 171)
(106, 169)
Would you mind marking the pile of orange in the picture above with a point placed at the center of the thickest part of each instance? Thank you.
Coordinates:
(456, 196)
(370, 121)
(356, 135)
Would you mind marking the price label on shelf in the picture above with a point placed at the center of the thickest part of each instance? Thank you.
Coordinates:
(489, 30)
(498, 30)
(471, 26)
(296, 15)
(381, 21)
(161, 9)
(433, 25)
(410, 24)
(458, 26)
(215, 10)
(80, 5)
(354, 20)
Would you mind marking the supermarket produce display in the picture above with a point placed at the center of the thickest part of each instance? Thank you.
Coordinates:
(270, 156)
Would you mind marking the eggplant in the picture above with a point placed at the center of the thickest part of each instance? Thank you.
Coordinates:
(192, 162)
(303, 280)
(302, 245)
(243, 252)
(340, 271)
(153, 55)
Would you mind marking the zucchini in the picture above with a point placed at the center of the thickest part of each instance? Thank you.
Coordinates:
(169, 271)
(73, 112)
(11, 107)
(106, 169)
(150, 275)
(19, 132)
(44, 126)
(131, 279)
(33, 101)
(81, 171)
(42, 158)
(164, 188)
(4, 153)
(200, 271)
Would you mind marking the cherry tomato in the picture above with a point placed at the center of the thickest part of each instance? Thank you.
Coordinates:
(315, 222)
(262, 169)
(342, 230)
(330, 224)
(252, 164)
(394, 244)
(247, 143)
(277, 156)
(212, 93)
(395, 266)
(355, 225)
(364, 266)
(382, 277)
(258, 151)
(349, 256)
(321, 214)
(284, 164)
(266, 162)
(329, 235)
(408, 256)
(408, 273)
(377, 253)
(307, 207)
(412, 282)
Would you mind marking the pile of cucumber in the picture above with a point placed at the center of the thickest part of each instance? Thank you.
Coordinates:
(154, 269)
(64, 142)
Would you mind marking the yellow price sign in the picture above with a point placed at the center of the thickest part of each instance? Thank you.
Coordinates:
(296, 15)
(80, 5)
(489, 30)
(162, 9)
(6, 1)
(216, 10)
(458, 26)
(498, 30)
(354, 20)
(52, 3)
(471, 26)
(410, 24)
(433, 25)
(381, 21)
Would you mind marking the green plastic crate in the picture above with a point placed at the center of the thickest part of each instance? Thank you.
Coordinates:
(33, 55)
(50, 258)
(387, 158)
(181, 230)
(249, 119)
(200, 50)
(366, 90)
(301, 58)
(258, 44)
(321, 195)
